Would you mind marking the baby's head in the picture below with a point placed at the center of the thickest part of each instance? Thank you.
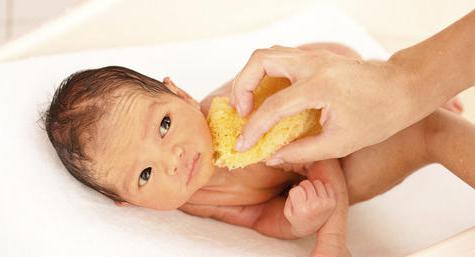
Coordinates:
(131, 137)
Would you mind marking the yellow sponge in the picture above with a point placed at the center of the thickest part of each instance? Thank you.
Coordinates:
(226, 125)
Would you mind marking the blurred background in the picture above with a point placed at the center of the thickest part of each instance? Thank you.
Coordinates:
(33, 28)
(395, 24)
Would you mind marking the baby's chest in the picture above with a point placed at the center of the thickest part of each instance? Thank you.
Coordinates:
(252, 185)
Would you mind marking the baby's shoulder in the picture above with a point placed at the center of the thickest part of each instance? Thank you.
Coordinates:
(224, 90)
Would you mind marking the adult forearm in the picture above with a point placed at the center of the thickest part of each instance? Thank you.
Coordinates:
(451, 142)
(441, 66)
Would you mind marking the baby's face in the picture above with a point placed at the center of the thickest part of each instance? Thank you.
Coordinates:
(154, 152)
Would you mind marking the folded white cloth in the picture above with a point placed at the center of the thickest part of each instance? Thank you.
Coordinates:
(46, 212)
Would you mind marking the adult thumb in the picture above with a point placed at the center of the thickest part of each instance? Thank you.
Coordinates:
(309, 149)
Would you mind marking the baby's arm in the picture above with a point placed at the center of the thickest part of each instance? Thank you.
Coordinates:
(331, 237)
(376, 169)
(306, 209)
(267, 218)
(443, 137)
(451, 142)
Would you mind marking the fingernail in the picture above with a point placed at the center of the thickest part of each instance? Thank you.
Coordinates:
(240, 144)
(275, 161)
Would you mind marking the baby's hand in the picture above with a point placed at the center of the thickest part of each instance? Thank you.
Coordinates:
(308, 206)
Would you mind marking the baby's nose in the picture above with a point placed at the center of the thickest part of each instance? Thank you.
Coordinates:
(178, 153)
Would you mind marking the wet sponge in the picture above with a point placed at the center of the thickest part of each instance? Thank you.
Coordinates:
(225, 125)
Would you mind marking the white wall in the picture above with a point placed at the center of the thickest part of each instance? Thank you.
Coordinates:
(26, 15)
(397, 24)
(3, 20)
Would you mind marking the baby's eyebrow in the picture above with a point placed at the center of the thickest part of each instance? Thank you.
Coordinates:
(148, 120)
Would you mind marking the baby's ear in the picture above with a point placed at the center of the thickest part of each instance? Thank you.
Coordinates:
(179, 92)
(121, 204)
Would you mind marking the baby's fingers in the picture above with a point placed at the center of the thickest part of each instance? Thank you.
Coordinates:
(320, 189)
(310, 192)
(297, 196)
(288, 208)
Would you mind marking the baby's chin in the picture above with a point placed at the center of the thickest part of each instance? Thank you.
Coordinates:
(206, 169)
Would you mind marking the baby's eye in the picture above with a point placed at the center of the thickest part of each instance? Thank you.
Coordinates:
(165, 125)
(145, 176)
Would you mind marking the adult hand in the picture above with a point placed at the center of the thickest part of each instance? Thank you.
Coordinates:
(362, 102)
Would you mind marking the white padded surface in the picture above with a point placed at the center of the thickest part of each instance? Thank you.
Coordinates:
(46, 212)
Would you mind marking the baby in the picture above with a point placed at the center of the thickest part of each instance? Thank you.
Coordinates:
(147, 143)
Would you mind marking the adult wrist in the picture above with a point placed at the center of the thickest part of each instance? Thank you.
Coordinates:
(406, 80)
(408, 72)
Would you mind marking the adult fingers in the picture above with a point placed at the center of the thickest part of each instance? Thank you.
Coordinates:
(325, 145)
(289, 101)
(271, 61)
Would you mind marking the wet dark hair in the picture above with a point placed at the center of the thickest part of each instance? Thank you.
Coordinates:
(78, 103)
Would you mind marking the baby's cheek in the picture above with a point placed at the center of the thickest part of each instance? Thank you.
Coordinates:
(170, 197)
(205, 135)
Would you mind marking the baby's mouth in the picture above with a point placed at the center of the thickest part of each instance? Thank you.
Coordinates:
(193, 169)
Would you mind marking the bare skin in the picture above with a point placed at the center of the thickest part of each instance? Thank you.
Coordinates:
(254, 196)
(363, 102)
